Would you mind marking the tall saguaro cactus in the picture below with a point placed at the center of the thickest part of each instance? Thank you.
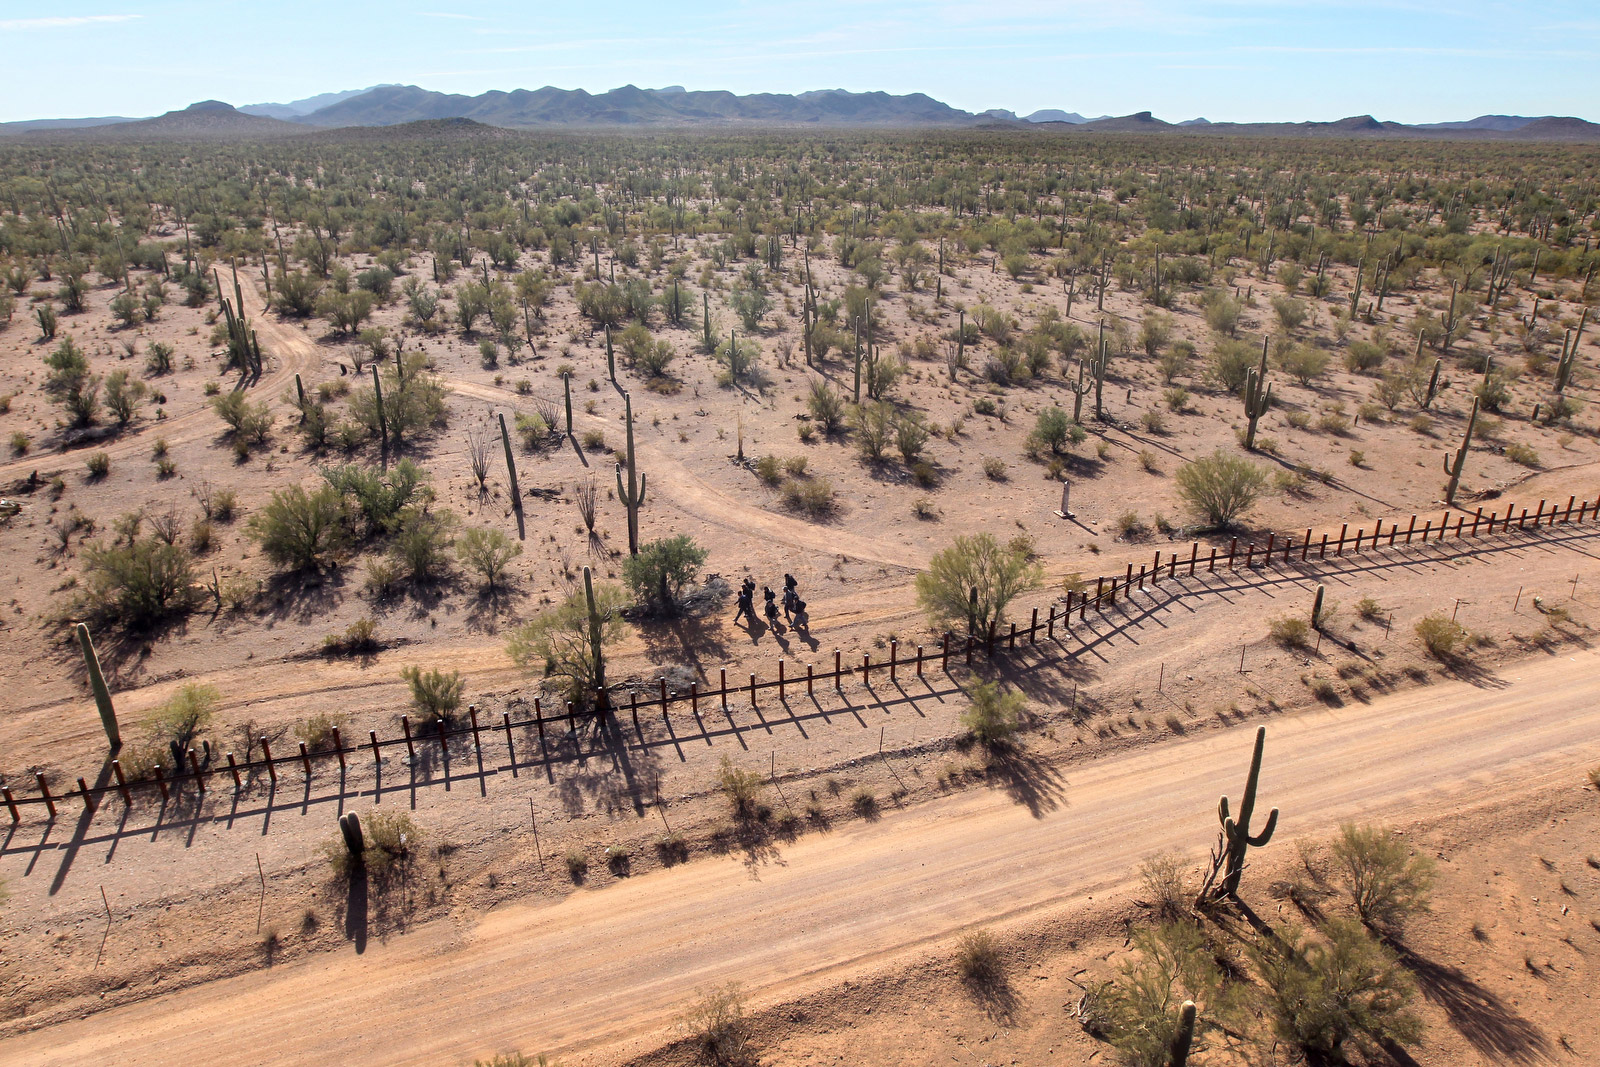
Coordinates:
(633, 494)
(1257, 398)
(511, 465)
(1079, 391)
(1454, 468)
(97, 682)
(596, 639)
(1236, 837)
(350, 827)
(566, 393)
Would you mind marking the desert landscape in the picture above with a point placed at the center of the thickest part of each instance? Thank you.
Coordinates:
(379, 501)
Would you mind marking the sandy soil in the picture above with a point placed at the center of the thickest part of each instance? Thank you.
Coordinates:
(611, 967)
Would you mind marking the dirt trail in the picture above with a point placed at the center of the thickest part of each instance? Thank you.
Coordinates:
(669, 477)
(604, 966)
(287, 352)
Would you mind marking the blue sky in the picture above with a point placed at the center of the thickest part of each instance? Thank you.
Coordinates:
(1223, 59)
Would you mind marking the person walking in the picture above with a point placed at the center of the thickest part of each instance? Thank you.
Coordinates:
(747, 604)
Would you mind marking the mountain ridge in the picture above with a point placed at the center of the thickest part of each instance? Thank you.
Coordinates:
(630, 107)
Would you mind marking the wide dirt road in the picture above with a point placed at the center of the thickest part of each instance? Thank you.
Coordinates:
(608, 964)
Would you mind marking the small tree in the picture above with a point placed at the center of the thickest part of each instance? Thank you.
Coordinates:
(184, 716)
(1220, 488)
(826, 406)
(557, 642)
(997, 572)
(301, 530)
(1439, 635)
(660, 570)
(1328, 996)
(1139, 1009)
(995, 714)
(874, 427)
(742, 787)
(421, 543)
(138, 584)
(1052, 429)
(1387, 882)
(487, 553)
(434, 692)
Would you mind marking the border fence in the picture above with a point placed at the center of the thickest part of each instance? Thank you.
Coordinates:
(204, 769)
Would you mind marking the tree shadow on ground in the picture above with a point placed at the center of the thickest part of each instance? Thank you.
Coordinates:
(1028, 779)
(1478, 1014)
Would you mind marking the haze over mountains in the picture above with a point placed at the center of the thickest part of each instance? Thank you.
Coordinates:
(630, 107)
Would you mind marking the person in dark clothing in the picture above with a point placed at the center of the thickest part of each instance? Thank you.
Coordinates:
(790, 597)
(747, 604)
(771, 607)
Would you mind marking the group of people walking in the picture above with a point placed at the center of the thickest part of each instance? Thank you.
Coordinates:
(794, 609)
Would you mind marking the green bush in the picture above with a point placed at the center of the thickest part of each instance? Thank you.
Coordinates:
(99, 464)
(995, 714)
(301, 530)
(1386, 880)
(658, 573)
(1330, 997)
(184, 716)
(743, 788)
(1439, 635)
(487, 553)
(1220, 488)
(138, 584)
(1138, 1010)
(422, 542)
(978, 960)
(557, 641)
(434, 692)
(999, 574)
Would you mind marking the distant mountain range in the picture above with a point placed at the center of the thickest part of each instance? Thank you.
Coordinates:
(630, 107)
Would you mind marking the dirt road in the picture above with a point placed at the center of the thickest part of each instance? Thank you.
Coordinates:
(602, 966)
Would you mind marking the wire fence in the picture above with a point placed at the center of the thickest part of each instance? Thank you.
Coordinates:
(202, 768)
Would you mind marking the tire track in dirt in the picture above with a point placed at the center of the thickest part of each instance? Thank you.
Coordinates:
(290, 350)
(615, 964)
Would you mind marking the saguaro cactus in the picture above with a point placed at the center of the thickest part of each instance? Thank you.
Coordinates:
(1433, 386)
(566, 392)
(1257, 398)
(511, 462)
(1316, 607)
(633, 494)
(596, 643)
(1079, 391)
(705, 311)
(1236, 836)
(611, 358)
(383, 424)
(1183, 1037)
(350, 827)
(1453, 469)
(97, 682)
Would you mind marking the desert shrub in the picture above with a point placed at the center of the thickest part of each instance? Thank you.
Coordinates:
(392, 840)
(1291, 312)
(716, 1027)
(657, 574)
(1342, 993)
(1130, 526)
(594, 440)
(1387, 882)
(300, 530)
(19, 443)
(556, 642)
(1439, 635)
(360, 636)
(910, 436)
(864, 802)
(317, 731)
(978, 960)
(184, 716)
(1369, 609)
(434, 692)
(1221, 488)
(741, 787)
(1363, 356)
(1051, 430)
(874, 427)
(1231, 364)
(1161, 877)
(769, 469)
(811, 496)
(994, 469)
(795, 466)
(138, 584)
(924, 508)
(999, 573)
(98, 464)
(1291, 631)
(1138, 1010)
(1177, 399)
(1523, 454)
(387, 499)
(826, 407)
(1152, 421)
(422, 542)
(1304, 363)
(487, 553)
(995, 714)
